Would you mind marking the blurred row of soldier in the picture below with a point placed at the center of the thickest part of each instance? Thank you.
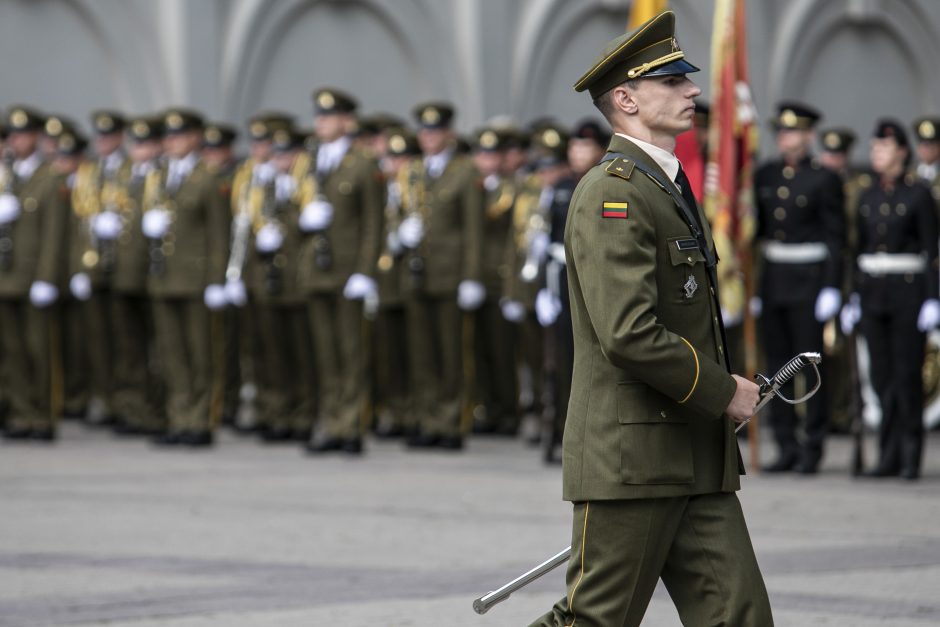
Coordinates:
(361, 276)
(844, 252)
(364, 276)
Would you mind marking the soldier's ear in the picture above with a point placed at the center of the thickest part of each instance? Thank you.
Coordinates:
(622, 99)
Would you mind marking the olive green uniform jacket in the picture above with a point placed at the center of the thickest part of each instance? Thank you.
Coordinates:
(649, 386)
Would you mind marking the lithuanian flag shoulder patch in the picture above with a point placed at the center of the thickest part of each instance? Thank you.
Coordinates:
(614, 210)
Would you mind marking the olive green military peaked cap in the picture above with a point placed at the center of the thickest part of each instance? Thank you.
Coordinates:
(650, 50)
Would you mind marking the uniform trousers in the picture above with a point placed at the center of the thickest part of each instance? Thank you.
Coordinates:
(284, 366)
(391, 368)
(184, 346)
(896, 349)
(137, 388)
(788, 329)
(97, 342)
(435, 349)
(75, 358)
(30, 346)
(338, 325)
(698, 545)
(495, 366)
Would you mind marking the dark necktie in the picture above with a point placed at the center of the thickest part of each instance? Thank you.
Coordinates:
(686, 188)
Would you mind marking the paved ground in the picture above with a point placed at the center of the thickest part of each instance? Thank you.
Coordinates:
(95, 530)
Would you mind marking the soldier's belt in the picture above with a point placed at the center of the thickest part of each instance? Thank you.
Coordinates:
(557, 252)
(809, 252)
(891, 263)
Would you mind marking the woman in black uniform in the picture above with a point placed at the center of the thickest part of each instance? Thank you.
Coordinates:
(897, 285)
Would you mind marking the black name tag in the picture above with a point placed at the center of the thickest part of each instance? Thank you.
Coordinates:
(687, 244)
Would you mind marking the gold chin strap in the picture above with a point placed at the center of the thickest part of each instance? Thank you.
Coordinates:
(646, 67)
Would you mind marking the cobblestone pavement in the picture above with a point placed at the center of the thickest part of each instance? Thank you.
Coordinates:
(97, 530)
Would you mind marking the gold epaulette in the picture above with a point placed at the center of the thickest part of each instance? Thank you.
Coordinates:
(621, 167)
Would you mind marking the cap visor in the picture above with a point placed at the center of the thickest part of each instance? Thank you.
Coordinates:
(679, 66)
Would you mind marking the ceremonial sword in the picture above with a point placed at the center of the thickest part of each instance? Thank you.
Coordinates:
(769, 388)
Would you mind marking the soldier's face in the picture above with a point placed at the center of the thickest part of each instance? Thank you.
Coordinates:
(835, 161)
(330, 126)
(23, 143)
(488, 161)
(515, 158)
(928, 152)
(794, 142)
(260, 150)
(433, 140)
(583, 154)
(141, 152)
(218, 155)
(106, 144)
(178, 145)
(887, 157)
(664, 104)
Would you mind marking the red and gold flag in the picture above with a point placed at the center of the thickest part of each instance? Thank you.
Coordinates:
(732, 144)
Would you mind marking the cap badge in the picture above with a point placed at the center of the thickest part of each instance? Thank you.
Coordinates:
(927, 130)
(551, 138)
(488, 139)
(174, 121)
(326, 100)
(140, 129)
(430, 116)
(104, 123)
(53, 126)
(213, 135)
(397, 143)
(18, 118)
(788, 118)
(66, 142)
(831, 141)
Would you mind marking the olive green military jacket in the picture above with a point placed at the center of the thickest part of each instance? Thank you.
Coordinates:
(649, 387)
(391, 270)
(38, 235)
(132, 255)
(354, 188)
(195, 249)
(275, 278)
(453, 209)
(92, 195)
(526, 221)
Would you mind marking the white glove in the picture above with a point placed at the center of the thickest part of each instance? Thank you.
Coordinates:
(827, 303)
(393, 242)
(547, 307)
(359, 286)
(263, 173)
(107, 225)
(851, 314)
(539, 246)
(155, 222)
(929, 316)
(316, 216)
(235, 292)
(756, 305)
(80, 286)
(214, 297)
(284, 187)
(269, 239)
(411, 231)
(513, 310)
(731, 319)
(9, 208)
(42, 294)
(470, 295)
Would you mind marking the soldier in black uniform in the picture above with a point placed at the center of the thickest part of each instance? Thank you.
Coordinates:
(927, 131)
(897, 282)
(800, 225)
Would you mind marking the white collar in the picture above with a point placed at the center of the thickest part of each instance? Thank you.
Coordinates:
(335, 150)
(112, 162)
(184, 166)
(25, 168)
(435, 164)
(663, 158)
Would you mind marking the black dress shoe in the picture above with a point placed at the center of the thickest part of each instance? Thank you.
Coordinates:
(389, 431)
(910, 474)
(45, 434)
(17, 434)
(784, 463)
(301, 435)
(168, 439)
(880, 472)
(422, 440)
(324, 445)
(196, 438)
(353, 446)
(280, 433)
(450, 442)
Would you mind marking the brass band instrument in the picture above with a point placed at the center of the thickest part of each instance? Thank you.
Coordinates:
(415, 184)
(155, 195)
(531, 222)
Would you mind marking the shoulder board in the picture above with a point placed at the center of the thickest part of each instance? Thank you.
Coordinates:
(620, 167)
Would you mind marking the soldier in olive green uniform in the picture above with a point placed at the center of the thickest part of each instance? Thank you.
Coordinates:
(442, 233)
(247, 190)
(96, 223)
(33, 217)
(74, 356)
(493, 333)
(650, 458)
(392, 393)
(342, 210)
(138, 394)
(186, 222)
(283, 348)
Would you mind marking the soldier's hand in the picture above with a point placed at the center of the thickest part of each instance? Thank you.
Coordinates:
(744, 400)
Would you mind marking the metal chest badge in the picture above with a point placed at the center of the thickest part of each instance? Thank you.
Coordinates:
(691, 285)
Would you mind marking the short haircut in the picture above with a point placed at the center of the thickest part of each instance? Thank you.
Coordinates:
(604, 103)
